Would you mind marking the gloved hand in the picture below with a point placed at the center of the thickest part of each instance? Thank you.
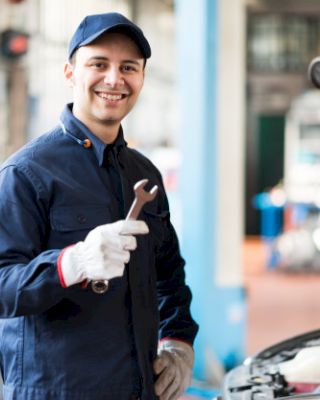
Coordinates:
(102, 255)
(173, 366)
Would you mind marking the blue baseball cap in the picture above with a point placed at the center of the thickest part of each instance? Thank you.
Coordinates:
(93, 26)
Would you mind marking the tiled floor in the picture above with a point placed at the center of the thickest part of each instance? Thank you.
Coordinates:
(280, 304)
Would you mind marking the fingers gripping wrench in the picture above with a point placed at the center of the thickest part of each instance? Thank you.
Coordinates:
(141, 197)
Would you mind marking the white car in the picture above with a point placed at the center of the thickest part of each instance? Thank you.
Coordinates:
(287, 370)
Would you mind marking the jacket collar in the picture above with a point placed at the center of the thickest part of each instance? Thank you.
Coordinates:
(80, 131)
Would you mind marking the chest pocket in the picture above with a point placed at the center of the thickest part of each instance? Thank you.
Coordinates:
(71, 224)
(158, 224)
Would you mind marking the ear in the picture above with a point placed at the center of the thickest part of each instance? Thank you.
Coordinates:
(68, 73)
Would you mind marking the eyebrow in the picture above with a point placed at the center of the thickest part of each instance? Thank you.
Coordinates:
(102, 58)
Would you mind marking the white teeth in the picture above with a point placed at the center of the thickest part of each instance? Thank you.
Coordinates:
(112, 97)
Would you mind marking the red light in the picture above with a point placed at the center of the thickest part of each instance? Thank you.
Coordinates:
(18, 44)
(14, 43)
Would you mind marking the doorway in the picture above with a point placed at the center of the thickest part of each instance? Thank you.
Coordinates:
(265, 168)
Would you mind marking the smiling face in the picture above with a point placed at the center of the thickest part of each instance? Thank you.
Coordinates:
(107, 77)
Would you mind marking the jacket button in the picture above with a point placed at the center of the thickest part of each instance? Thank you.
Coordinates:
(81, 219)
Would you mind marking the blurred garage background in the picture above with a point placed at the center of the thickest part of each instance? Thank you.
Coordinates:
(230, 118)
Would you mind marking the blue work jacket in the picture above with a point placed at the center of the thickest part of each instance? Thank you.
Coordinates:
(69, 343)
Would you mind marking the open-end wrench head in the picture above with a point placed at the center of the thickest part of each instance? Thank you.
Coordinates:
(142, 193)
(141, 197)
(140, 184)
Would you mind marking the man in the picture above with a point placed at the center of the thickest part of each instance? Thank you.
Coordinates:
(63, 205)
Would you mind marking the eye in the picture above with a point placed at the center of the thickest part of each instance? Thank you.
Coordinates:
(129, 68)
(98, 65)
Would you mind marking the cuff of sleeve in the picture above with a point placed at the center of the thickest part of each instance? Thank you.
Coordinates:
(169, 339)
(59, 266)
(181, 349)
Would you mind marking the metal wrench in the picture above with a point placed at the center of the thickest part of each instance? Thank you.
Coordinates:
(141, 197)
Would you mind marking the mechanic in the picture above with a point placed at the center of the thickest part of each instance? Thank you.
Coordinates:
(63, 203)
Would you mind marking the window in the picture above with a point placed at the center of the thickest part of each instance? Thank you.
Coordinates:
(282, 42)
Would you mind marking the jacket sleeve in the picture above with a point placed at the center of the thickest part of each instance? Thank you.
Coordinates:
(29, 282)
(174, 296)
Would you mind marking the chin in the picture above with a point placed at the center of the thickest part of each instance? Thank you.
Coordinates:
(110, 120)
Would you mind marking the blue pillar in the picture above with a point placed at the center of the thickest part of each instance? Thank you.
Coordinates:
(197, 51)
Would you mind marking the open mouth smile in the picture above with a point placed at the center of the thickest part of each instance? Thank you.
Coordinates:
(111, 96)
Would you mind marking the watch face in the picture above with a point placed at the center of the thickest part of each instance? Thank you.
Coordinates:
(268, 374)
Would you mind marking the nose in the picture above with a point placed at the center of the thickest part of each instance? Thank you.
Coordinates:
(113, 77)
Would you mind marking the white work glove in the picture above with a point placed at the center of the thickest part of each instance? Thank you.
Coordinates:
(102, 255)
(173, 366)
